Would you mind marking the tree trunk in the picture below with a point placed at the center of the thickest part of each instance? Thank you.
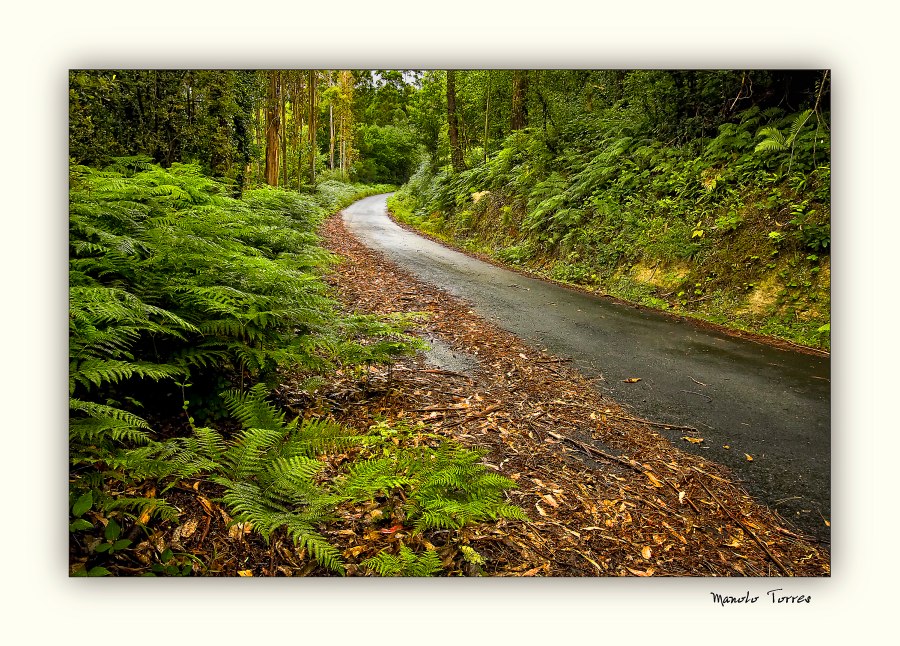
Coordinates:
(312, 127)
(273, 127)
(519, 99)
(456, 156)
(487, 111)
(284, 125)
(331, 132)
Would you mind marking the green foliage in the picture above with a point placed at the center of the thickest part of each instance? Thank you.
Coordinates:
(446, 488)
(647, 169)
(387, 153)
(405, 563)
(272, 477)
(172, 282)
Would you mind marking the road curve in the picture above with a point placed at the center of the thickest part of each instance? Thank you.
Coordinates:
(769, 403)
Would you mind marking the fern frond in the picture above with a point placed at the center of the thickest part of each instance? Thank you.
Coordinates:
(252, 409)
(249, 454)
(155, 507)
(797, 125)
(405, 563)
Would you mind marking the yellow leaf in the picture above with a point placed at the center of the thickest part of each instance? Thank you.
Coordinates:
(189, 528)
(207, 505)
(653, 479)
(725, 446)
(631, 380)
(245, 572)
(827, 524)
(649, 572)
(353, 552)
(693, 440)
(749, 457)
(646, 552)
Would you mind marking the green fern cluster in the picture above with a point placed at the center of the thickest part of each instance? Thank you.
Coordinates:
(273, 479)
(405, 563)
(445, 488)
(171, 280)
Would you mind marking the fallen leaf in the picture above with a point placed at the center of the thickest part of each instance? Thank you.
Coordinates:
(725, 446)
(681, 495)
(550, 500)
(749, 457)
(827, 524)
(646, 552)
(522, 355)
(540, 511)
(649, 572)
(631, 380)
(653, 479)
(693, 440)
(189, 528)
(245, 572)
(207, 505)
(353, 552)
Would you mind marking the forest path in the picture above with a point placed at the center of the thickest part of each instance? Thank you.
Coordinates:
(765, 402)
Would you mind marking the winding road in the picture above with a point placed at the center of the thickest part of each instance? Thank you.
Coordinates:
(768, 403)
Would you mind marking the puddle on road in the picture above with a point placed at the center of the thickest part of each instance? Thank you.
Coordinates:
(442, 355)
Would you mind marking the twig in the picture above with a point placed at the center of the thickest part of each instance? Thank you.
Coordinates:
(673, 427)
(694, 392)
(747, 529)
(590, 450)
(449, 373)
(553, 360)
(697, 382)
(469, 418)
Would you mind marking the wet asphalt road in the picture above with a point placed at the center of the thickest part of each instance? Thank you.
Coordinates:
(771, 404)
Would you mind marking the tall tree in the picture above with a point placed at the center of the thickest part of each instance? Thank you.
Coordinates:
(520, 100)
(273, 127)
(313, 124)
(487, 112)
(456, 155)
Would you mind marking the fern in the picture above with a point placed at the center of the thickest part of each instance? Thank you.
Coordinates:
(446, 488)
(405, 563)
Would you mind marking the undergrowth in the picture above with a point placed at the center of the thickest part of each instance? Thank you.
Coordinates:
(733, 229)
(185, 307)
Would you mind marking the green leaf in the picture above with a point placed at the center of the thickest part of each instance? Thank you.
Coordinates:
(121, 545)
(80, 524)
(99, 571)
(112, 530)
(103, 547)
(82, 504)
(165, 556)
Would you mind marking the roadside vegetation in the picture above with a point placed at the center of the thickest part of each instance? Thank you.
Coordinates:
(704, 194)
(195, 290)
